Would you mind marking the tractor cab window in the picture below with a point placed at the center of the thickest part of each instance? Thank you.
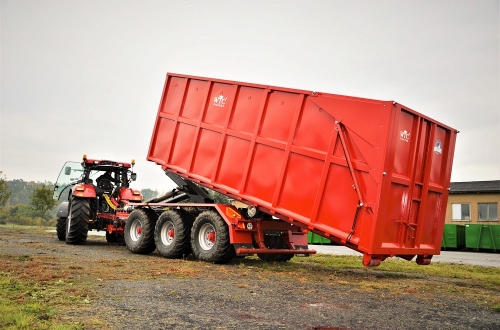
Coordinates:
(107, 180)
(69, 175)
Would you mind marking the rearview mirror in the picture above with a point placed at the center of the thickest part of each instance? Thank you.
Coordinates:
(67, 170)
(133, 176)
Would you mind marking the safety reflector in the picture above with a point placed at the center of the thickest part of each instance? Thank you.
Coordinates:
(232, 213)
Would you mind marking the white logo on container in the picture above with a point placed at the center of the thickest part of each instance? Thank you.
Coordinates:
(437, 148)
(404, 135)
(220, 101)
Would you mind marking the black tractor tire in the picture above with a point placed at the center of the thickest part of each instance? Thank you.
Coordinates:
(111, 238)
(61, 228)
(275, 242)
(77, 223)
(173, 234)
(139, 231)
(210, 238)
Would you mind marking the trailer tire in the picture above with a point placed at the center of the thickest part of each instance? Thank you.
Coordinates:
(139, 231)
(77, 223)
(173, 233)
(210, 238)
(275, 242)
(61, 228)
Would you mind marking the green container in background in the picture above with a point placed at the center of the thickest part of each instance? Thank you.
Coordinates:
(482, 237)
(453, 237)
(313, 238)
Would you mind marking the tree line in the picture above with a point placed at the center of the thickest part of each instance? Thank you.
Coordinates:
(31, 203)
(26, 202)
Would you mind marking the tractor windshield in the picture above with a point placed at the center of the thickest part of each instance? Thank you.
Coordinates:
(69, 175)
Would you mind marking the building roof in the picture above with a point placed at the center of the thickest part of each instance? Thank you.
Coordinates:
(475, 187)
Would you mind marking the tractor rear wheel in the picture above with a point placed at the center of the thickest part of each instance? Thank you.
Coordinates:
(61, 228)
(172, 234)
(275, 242)
(139, 231)
(210, 238)
(77, 224)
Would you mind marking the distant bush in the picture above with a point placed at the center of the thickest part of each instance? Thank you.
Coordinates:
(25, 216)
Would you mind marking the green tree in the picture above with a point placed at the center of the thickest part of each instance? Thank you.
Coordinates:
(4, 191)
(147, 193)
(219, 198)
(41, 200)
(23, 190)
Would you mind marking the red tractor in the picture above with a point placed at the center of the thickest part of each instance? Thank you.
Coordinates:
(95, 194)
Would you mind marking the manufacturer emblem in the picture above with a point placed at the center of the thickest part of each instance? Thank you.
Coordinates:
(404, 135)
(220, 101)
(437, 148)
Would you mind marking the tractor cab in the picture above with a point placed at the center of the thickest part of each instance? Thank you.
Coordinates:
(105, 176)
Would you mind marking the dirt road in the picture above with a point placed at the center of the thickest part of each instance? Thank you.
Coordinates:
(149, 292)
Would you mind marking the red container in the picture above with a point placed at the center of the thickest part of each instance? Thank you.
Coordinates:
(372, 175)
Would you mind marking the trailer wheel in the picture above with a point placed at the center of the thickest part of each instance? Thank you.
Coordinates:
(61, 228)
(172, 234)
(210, 238)
(275, 242)
(139, 231)
(77, 223)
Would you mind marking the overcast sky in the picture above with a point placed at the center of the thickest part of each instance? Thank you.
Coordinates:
(87, 76)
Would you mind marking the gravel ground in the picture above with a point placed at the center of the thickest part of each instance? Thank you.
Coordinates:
(216, 304)
(236, 297)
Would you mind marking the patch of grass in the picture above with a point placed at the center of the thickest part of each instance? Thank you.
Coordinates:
(34, 294)
(29, 305)
(487, 277)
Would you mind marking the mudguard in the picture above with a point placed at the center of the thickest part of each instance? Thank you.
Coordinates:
(84, 190)
(63, 210)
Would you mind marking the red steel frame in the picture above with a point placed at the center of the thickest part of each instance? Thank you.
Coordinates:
(240, 234)
(372, 175)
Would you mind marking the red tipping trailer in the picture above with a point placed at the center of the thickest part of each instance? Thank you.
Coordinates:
(371, 175)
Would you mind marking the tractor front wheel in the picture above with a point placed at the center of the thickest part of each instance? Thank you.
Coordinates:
(210, 238)
(61, 228)
(77, 223)
(139, 231)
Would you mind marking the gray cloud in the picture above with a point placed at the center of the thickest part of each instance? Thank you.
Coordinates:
(87, 76)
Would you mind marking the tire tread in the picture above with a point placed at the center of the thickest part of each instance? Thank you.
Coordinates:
(79, 227)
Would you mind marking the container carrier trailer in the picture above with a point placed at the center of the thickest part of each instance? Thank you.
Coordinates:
(371, 175)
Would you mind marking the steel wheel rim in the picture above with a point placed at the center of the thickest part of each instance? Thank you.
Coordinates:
(136, 230)
(207, 236)
(167, 233)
